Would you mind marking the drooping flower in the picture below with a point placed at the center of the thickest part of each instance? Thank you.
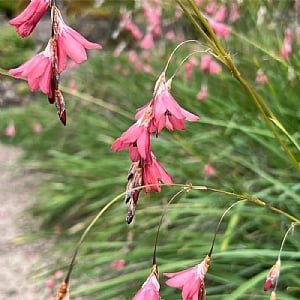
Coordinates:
(209, 65)
(147, 42)
(70, 43)
(190, 281)
(272, 275)
(221, 29)
(261, 77)
(202, 94)
(153, 173)
(286, 48)
(38, 71)
(136, 135)
(150, 288)
(209, 170)
(26, 21)
(166, 111)
(10, 130)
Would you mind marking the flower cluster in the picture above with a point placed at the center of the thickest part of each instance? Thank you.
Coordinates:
(189, 281)
(161, 111)
(43, 70)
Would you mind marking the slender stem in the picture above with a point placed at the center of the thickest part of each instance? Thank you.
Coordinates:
(86, 231)
(160, 222)
(214, 43)
(219, 223)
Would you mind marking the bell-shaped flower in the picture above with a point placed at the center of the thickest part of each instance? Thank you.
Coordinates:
(136, 135)
(150, 288)
(153, 174)
(190, 281)
(37, 70)
(166, 111)
(70, 43)
(272, 275)
(26, 21)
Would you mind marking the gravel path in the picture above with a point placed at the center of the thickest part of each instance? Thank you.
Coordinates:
(17, 257)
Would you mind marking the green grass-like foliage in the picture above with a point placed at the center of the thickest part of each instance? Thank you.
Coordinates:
(231, 135)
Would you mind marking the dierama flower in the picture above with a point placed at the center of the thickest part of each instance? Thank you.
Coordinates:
(166, 111)
(190, 281)
(26, 21)
(209, 65)
(272, 275)
(150, 288)
(10, 130)
(286, 49)
(137, 136)
(37, 70)
(70, 43)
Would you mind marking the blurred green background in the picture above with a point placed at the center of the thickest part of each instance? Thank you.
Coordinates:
(101, 97)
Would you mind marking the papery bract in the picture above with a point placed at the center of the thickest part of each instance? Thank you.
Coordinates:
(150, 288)
(272, 275)
(26, 21)
(190, 281)
(70, 43)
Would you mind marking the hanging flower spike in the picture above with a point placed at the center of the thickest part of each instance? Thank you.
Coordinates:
(272, 275)
(190, 281)
(26, 21)
(150, 288)
(137, 135)
(166, 111)
(38, 71)
(70, 43)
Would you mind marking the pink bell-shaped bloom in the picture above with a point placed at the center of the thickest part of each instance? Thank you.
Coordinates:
(70, 43)
(166, 111)
(37, 70)
(137, 136)
(286, 49)
(209, 65)
(153, 172)
(202, 94)
(26, 21)
(221, 30)
(150, 288)
(272, 275)
(190, 281)
(147, 42)
(10, 130)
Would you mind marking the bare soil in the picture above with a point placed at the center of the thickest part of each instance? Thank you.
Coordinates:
(19, 256)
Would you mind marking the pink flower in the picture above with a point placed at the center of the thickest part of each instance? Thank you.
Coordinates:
(209, 65)
(26, 21)
(220, 14)
(50, 283)
(10, 130)
(166, 111)
(38, 71)
(209, 170)
(261, 77)
(37, 127)
(147, 42)
(137, 136)
(150, 288)
(118, 264)
(190, 281)
(272, 275)
(153, 172)
(221, 30)
(202, 94)
(70, 43)
(286, 49)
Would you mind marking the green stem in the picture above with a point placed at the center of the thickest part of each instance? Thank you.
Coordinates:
(216, 46)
